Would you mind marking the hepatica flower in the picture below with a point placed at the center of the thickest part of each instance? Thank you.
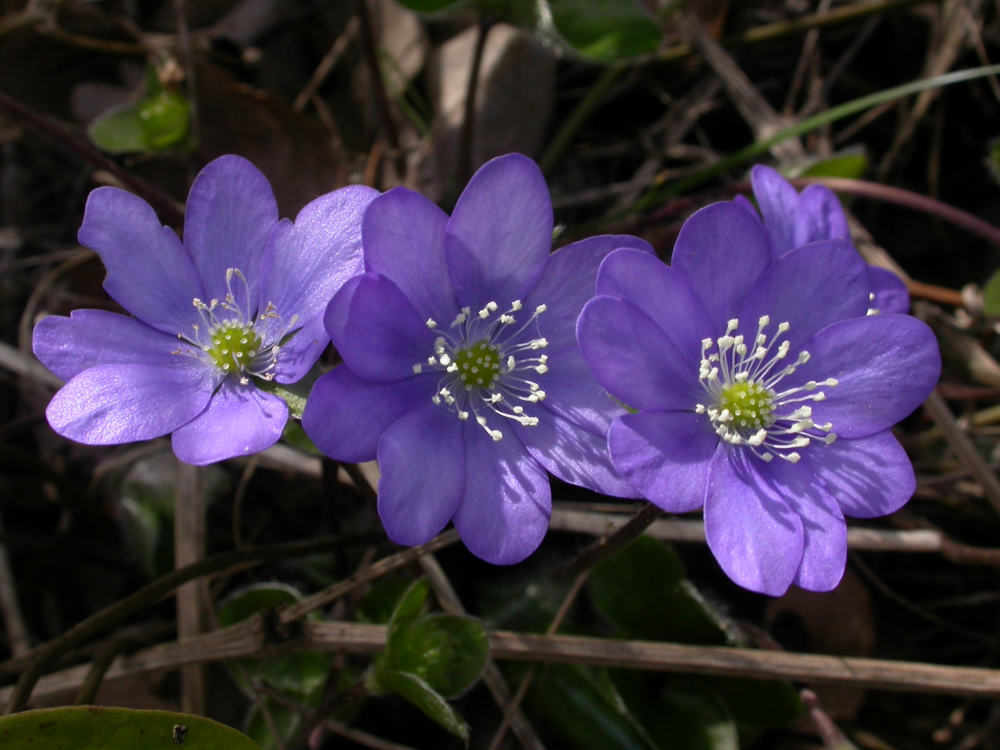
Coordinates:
(764, 391)
(794, 219)
(461, 371)
(238, 304)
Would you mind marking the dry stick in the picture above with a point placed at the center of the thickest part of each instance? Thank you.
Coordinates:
(522, 689)
(190, 528)
(830, 733)
(327, 64)
(163, 203)
(13, 622)
(46, 656)
(332, 701)
(363, 738)
(370, 51)
(103, 659)
(492, 675)
(606, 547)
(467, 135)
(939, 411)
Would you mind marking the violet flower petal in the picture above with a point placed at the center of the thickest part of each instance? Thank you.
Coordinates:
(721, 251)
(666, 456)
(240, 420)
(149, 273)
(890, 294)
(230, 212)
(574, 394)
(819, 217)
(376, 330)
(68, 346)
(303, 266)
(507, 504)
(112, 404)
(404, 241)
(810, 287)
(346, 415)
(633, 359)
(423, 480)
(573, 453)
(500, 233)
(750, 528)
(779, 205)
(885, 365)
(660, 292)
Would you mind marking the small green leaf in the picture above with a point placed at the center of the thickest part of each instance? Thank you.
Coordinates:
(447, 651)
(761, 703)
(605, 30)
(294, 394)
(98, 728)
(119, 131)
(409, 608)
(851, 163)
(427, 6)
(642, 590)
(381, 599)
(295, 436)
(688, 716)
(991, 296)
(992, 160)
(420, 694)
(164, 118)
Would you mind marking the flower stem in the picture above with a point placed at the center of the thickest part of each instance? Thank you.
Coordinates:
(189, 547)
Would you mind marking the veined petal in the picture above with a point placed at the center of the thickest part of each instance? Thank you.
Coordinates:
(230, 212)
(779, 205)
(662, 293)
(573, 393)
(573, 453)
(752, 531)
(500, 233)
(507, 504)
(112, 404)
(633, 359)
(809, 288)
(666, 456)
(422, 459)
(721, 250)
(149, 273)
(885, 366)
(68, 346)
(299, 353)
(404, 241)
(820, 217)
(376, 329)
(240, 420)
(346, 415)
(889, 292)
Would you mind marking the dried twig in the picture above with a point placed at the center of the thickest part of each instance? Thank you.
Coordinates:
(190, 530)
(327, 64)
(606, 547)
(467, 135)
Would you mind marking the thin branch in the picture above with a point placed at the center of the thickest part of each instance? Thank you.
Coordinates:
(103, 659)
(611, 544)
(370, 50)
(327, 64)
(169, 211)
(467, 135)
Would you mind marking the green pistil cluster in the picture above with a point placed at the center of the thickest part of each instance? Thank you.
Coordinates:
(233, 346)
(478, 364)
(749, 405)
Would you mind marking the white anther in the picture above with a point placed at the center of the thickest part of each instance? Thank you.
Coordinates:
(764, 321)
(431, 323)
(783, 327)
(732, 325)
(830, 438)
(417, 369)
(540, 309)
(515, 305)
(463, 415)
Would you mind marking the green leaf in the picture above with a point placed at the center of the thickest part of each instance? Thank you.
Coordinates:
(688, 716)
(427, 6)
(851, 163)
(582, 707)
(119, 131)
(381, 599)
(761, 703)
(991, 296)
(294, 394)
(409, 608)
(420, 694)
(295, 436)
(642, 590)
(98, 728)
(447, 651)
(286, 721)
(605, 30)
(165, 118)
(992, 160)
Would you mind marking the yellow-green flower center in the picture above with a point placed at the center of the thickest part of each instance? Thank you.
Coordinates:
(749, 405)
(478, 364)
(232, 346)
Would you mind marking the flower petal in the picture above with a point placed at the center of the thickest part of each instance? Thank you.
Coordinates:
(500, 233)
(507, 504)
(869, 477)
(149, 274)
(573, 453)
(304, 265)
(346, 415)
(422, 459)
(721, 250)
(112, 404)
(885, 365)
(573, 393)
(404, 241)
(809, 288)
(890, 294)
(662, 293)
(240, 420)
(779, 205)
(820, 217)
(633, 359)
(68, 346)
(380, 335)
(751, 530)
(666, 456)
(230, 212)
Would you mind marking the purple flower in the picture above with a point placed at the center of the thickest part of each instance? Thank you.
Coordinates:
(461, 371)
(239, 302)
(794, 219)
(765, 393)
